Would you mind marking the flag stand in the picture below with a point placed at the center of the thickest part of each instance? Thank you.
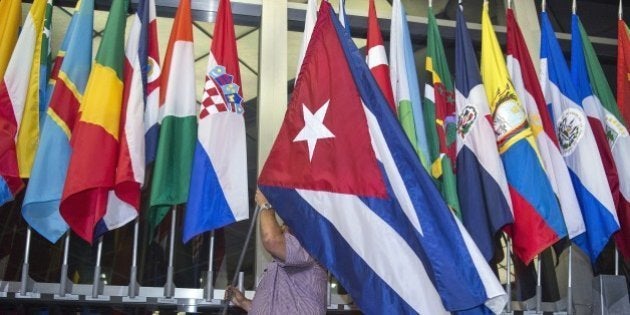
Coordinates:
(569, 285)
(63, 278)
(538, 285)
(508, 266)
(133, 275)
(616, 261)
(96, 283)
(169, 287)
(25, 280)
(252, 224)
(209, 294)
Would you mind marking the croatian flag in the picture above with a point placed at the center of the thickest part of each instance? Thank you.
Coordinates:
(344, 177)
(577, 144)
(218, 183)
(481, 182)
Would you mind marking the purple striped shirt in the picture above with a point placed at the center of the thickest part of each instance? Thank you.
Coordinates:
(295, 286)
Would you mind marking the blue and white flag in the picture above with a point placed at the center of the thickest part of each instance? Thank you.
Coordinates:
(577, 144)
(481, 182)
(346, 180)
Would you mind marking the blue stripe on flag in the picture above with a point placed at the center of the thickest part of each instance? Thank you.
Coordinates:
(5, 192)
(204, 213)
(334, 252)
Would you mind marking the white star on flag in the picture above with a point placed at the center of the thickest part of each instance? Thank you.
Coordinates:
(314, 128)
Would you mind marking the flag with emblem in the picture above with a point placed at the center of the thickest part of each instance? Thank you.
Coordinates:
(88, 190)
(614, 142)
(527, 87)
(309, 23)
(11, 17)
(345, 179)
(176, 144)
(481, 183)
(534, 202)
(130, 165)
(377, 57)
(623, 70)
(439, 116)
(19, 109)
(402, 72)
(40, 207)
(218, 185)
(577, 144)
(149, 57)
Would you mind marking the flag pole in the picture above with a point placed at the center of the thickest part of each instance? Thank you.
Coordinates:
(210, 275)
(570, 280)
(509, 4)
(430, 3)
(27, 249)
(543, 6)
(574, 7)
(169, 287)
(97, 269)
(616, 261)
(63, 278)
(133, 275)
(252, 224)
(538, 286)
(620, 9)
(508, 274)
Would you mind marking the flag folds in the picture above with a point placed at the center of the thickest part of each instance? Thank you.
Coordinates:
(344, 178)
(377, 57)
(402, 72)
(149, 57)
(19, 109)
(40, 207)
(534, 202)
(527, 87)
(481, 183)
(218, 185)
(577, 144)
(88, 190)
(439, 116)
(615, 142)
(623, 70)
(176, 144)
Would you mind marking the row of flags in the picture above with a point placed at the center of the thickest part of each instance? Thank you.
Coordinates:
(500, 149)
(104, 121)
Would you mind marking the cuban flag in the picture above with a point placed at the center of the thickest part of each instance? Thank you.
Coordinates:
(346, 180)
(481, 182)
(218, 183)
(577, 144)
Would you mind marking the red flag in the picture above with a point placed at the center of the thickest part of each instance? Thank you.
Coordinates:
(377, 58)
(623, 70)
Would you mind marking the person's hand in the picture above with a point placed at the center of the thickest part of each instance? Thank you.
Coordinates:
(261, 200)
(238, 298)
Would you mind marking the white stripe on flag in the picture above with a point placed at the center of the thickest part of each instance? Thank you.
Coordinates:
(384, 155)
(377, 56)
(180, 90)
(372, 239)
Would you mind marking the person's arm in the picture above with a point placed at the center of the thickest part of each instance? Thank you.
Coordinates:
(270, 231)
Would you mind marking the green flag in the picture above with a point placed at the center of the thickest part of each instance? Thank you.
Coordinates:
(178, 131)
(439, 116)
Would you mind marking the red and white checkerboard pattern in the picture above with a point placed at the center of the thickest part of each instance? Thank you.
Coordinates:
(213, 101)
